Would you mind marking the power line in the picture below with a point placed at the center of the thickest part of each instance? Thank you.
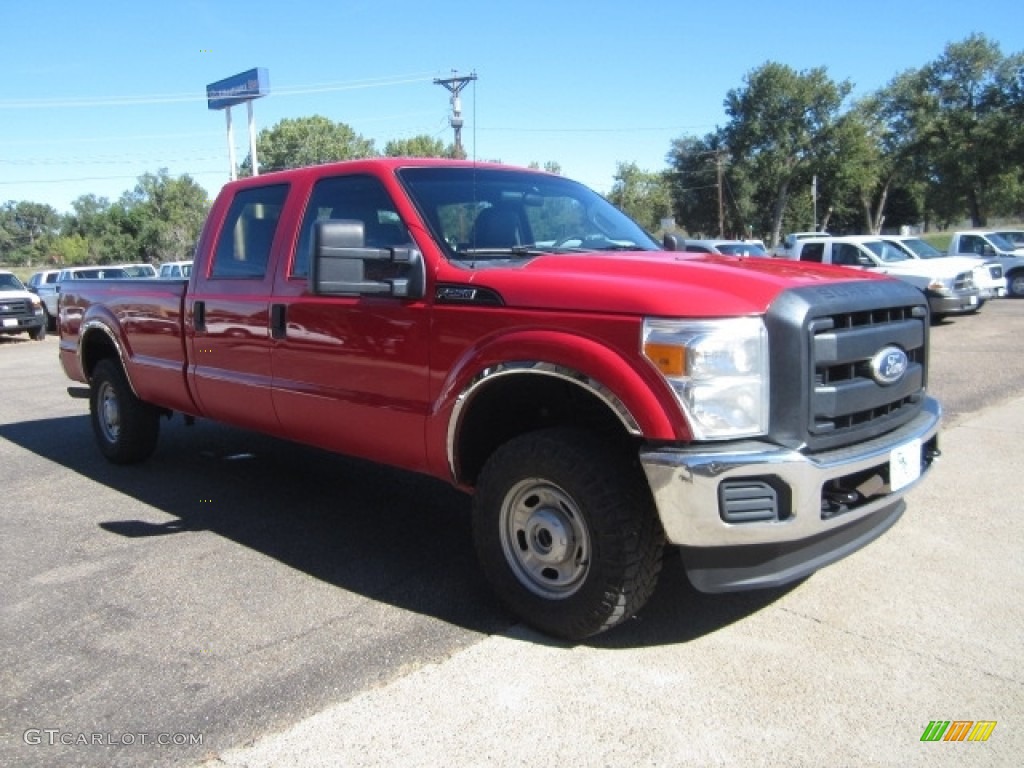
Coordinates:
(171, 98)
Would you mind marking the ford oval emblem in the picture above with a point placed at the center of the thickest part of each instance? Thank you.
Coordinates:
(888, 365)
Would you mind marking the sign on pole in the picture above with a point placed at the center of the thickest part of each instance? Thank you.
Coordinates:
(226, 93)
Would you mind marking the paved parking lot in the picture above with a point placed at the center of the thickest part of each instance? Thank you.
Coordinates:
(241, 601)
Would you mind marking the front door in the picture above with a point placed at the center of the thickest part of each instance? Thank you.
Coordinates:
(351, 372)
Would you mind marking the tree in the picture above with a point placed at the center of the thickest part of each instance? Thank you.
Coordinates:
(644, 195)
(293, 143)
(780, 124)
(418, 146)
(973, 129)
(166, 215)
(26, 231)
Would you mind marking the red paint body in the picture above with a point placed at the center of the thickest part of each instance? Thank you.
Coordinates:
(378, 377)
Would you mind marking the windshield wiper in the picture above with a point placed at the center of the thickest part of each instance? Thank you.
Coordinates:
(517, 251)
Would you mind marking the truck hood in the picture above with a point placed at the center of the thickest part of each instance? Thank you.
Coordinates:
(662, 283)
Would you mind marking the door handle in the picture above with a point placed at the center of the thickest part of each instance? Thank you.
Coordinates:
(199, 316)
(278, 320)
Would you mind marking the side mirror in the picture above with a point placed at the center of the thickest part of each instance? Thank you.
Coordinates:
(671, 242)
(341, 258)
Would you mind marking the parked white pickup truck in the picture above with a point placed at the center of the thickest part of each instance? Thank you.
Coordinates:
(949, 287)
(989, 244)
(988, 273)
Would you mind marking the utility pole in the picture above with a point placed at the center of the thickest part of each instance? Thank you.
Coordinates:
(454, 85)
(721, 207)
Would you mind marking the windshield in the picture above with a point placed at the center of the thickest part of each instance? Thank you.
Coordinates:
(503, 213)
(1001, 243)
(8, 282)
(1015, 236)
(923, 249)
(887, 252)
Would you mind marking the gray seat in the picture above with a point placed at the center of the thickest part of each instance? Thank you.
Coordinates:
(499, 226)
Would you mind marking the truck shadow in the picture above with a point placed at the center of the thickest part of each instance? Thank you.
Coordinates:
(391, 536)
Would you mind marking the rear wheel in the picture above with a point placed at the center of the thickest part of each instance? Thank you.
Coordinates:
(566, 532)
(126, 428)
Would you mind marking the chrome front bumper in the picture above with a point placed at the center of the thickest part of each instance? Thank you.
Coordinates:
(722, 556)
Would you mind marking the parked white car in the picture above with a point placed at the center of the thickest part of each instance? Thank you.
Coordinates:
(991, 244)
(988, 273)
(21, 311)
(949, 286)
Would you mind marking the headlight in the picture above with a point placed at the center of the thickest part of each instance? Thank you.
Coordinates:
(718, 370)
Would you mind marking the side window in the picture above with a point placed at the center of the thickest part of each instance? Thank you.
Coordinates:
(971, 244)
(244, 246)
(362, 198)
(845, 254)
(812, 252)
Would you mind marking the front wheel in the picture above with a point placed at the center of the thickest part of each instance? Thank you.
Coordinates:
(126, 428)
(566, 532)
(38, 334)
(1015, 284)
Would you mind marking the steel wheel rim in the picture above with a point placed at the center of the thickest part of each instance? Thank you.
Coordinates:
(545, 539)
(108, 412)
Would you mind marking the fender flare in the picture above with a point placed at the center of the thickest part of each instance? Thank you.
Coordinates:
(637, 395)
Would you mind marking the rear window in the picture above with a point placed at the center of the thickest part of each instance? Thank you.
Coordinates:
(243, 250)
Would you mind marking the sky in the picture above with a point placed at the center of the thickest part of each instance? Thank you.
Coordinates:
(93, 95)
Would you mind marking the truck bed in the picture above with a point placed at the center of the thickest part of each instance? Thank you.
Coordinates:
(145, 319)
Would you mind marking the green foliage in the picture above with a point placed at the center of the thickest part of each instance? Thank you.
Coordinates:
(26, 231)
(645, 196)
(418, 146)
(159, 220)
(782, 124)
(932, 146)
(293, 143)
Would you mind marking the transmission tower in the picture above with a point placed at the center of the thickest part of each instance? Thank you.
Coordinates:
(454, 85)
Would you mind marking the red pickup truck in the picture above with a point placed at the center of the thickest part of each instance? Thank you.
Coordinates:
(510, 331)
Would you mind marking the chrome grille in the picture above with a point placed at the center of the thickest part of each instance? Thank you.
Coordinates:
(13, 307)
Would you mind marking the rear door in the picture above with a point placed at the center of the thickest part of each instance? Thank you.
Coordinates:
(229, 308)
(351, 372)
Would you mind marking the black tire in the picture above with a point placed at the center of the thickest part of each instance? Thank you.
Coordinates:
(38, 334)
(51, 321)
(566, 532)
(1015, 284)
(126, 428)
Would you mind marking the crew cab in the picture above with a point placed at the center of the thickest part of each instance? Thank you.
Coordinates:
(990, 244)
(949, 286)
(512, 333)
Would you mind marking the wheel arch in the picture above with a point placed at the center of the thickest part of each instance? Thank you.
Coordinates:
(98, 342)
(508, 400)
